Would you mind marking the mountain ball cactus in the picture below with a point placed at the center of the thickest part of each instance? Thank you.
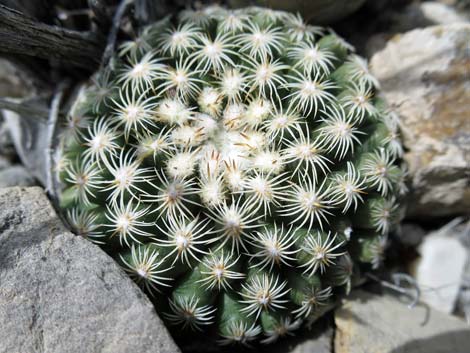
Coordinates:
(238, 165)
(320, 11)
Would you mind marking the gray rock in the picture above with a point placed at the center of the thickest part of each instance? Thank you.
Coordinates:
(369, 323)
(411, 234)
(7, 148)
(26, 134)
(60, 293)
(15, 175)
(423, 75)
(319, 344)
(415, 15)
(4, 162)
(13, 82)
(440, 13)
(317, 339)
(424, 14)
(463, 302)
(31, 142)
(440, 268)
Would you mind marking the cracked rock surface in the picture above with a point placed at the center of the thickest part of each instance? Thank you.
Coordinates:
(60, 293)
(424, 77)
(370, 323)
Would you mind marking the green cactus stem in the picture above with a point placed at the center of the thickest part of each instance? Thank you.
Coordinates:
(239, 166)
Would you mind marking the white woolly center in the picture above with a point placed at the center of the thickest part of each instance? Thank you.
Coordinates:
(261, 188)
(381, 170)
(99, 142)
(182, 241)
(123, 222)
(180, 77)
(173, 193)
(311, 54)
(207, 123)
(173, 112)
(231, 84)
(260, 39)
(81, 180)
(304, 151)
(212, 192)
(185, 135)
(139, 70)
(179, 38)
(142, 272)
(181, 165)
(213, 50)
(309, 201)
(233, 115)
(158, 144)
(320, 255)
(233, 223)
(235, 180)
(309, 89)
(269, 162)
(123, 176)
(343, 129)
(272, 248)
(281, 121)
(361, 100)
(219, 273)
(264, 73)
(132, 113)
(264, 299)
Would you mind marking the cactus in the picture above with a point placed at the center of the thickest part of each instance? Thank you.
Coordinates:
(239, 165)
(319, 11)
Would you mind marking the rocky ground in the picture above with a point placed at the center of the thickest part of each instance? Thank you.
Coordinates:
(53, 284)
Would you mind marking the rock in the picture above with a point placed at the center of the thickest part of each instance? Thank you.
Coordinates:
(12, 81)
(4, 162)
(319, 344)
(61, 293)
(412, 16)
(7, 149)
(31, 142)
(424, 14)
(411, 234)
(369, 323)
(439, 13)
(317, 340)
(423, 75)
(463, 302)
(15, 175)
(440, 267)
(25, 135)
(461, 5)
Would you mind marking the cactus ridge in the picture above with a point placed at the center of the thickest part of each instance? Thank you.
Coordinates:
(240, 167)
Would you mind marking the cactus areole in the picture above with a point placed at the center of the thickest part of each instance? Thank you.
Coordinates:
(240, 168)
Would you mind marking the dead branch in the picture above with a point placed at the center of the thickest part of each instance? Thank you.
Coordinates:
(20, 34)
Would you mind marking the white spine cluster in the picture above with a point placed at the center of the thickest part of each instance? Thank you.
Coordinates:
(227, 152)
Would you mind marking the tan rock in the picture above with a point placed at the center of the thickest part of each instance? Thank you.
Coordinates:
(369, 323)
(441, 13)
(424, 75)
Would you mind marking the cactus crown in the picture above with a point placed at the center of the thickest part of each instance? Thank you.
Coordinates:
(238, 165)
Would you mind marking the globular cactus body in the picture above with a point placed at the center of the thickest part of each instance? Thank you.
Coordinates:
(238, 165)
